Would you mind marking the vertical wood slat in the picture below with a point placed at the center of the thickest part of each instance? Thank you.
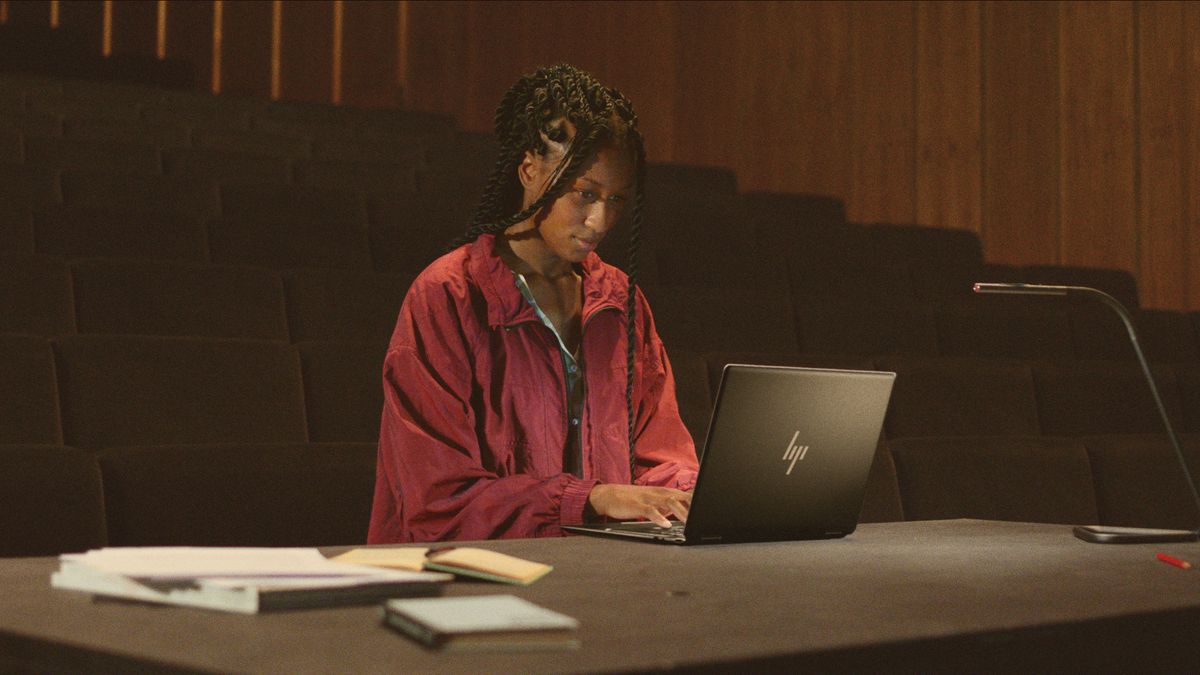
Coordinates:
(1020, 134)
(305, 52)
(189, 37)
(439, 57)
(706, 113)
(949, 159)
(883, 149)
(1098, 203)
(246, 48)
(369, 63)
(650, 29)
(1163, 81)
(1191, 17)
(135, 27)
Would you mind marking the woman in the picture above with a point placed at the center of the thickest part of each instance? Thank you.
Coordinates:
(518, 395)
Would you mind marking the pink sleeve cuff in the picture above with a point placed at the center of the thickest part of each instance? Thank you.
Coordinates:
(574, 499)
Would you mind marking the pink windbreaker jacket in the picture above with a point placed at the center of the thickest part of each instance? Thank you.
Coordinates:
(474, 414)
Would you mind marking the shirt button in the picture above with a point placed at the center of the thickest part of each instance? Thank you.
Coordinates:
(572, 368)
(574, 421)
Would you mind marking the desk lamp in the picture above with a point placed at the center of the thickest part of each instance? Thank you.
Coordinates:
(1103, 534)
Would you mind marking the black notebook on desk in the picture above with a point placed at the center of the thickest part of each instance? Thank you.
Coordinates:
(787, 458)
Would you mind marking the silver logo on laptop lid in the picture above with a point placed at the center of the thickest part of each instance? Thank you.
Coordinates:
(794, 452)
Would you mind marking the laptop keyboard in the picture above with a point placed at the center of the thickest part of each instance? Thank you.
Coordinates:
(641, 526)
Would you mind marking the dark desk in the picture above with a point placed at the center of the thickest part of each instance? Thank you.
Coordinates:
(901, 596)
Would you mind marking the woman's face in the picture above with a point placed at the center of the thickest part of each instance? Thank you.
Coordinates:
(591, 205)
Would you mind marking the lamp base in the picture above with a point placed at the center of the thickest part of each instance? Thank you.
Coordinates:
(1102, 534)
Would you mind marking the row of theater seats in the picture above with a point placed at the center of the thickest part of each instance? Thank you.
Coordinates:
(65, 294)
(143, 440)
(196, 293)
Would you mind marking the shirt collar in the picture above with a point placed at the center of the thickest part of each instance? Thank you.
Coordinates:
(603, 286)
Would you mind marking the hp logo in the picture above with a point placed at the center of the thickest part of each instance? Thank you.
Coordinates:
(794, 452)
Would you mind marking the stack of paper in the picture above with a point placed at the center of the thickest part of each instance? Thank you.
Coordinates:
(245, 580)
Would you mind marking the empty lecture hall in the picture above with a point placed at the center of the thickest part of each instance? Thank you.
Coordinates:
(599, 336)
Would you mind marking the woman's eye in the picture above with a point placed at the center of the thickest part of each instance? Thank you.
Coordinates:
(587, 196)
(617, 199)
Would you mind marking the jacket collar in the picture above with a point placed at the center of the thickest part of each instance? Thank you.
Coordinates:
(603, 285)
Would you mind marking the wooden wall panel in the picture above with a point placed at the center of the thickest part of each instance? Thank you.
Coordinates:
(949, 159)
(1020, 134)
(799, 82)
(189, 37)
(651, 30)
(1191, 19)
(135, 27)
(706, 114)
(1097, 182)
(246, 49)
(84, 18)
(1163, 82)
(306, 51)
(882, 153)
(29, 12)
(369, 58)
(437, 60)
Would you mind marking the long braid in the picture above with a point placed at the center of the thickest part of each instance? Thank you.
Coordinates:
(532, 111)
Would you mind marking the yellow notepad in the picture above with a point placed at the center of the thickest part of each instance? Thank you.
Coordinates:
(466, 561)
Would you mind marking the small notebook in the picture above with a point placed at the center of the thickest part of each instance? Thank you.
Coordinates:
(481, 623)
(465, 561)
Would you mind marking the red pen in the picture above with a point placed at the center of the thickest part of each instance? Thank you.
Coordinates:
(1181, 564)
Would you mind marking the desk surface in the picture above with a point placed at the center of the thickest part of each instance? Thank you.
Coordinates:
(897, 595)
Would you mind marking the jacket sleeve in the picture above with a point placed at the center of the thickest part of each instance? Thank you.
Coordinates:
(665, 452)
(431, 480)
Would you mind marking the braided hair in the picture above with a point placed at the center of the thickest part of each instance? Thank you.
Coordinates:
(535, 109)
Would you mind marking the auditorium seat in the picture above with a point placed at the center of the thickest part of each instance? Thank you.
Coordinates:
(721, 266)
(1038, 479)
(664, 178)
(166, 136)
(10, 146)
(121, 192)
(75, 101)
(121, 391)
(275, 203)
(1165, 337)
(960, 397)
(16, 228)
(881, 500)
(196, 110)
(373, 150)
(227, 167)
(53, 501)
(255, 143)
(121, 233)
(29, 186)
(29, 123)
(35, 295)
(1011, 327)
(177, 299)
(368, 177)
(287, 243)
(1188, 377)
(28, 392)
(409, 231)
(1139, 482)
(239, 494)
(1102, 397)
(919, 245)
(692, 392)
(846, 326)
(93, 155)
(343, 390)
(951, 282)
(779, 214)
(343, 305)
(722, 319)
(463, 161)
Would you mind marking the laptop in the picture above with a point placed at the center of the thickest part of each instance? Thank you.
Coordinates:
(787, 458)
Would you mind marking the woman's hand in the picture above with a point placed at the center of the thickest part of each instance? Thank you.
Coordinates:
(627, 502)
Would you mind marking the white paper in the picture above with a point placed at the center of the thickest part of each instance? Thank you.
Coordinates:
(191, 562)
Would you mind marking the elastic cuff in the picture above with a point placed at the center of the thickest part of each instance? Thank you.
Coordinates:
(575, 496)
